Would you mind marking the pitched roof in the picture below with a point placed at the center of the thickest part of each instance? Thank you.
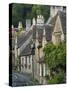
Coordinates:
(26, 51)
(53, 19)
(21, 39)
(62, 16)
(48, 32)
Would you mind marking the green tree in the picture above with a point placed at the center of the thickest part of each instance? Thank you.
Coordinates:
(57, 79)
(41, 9)
(21, 12)
(55, 57)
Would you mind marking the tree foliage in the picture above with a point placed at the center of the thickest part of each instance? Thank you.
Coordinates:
(21, 12)
(57, 79)
(55, 57)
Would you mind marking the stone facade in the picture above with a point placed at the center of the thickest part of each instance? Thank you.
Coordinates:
(26, 64)
(56, 36)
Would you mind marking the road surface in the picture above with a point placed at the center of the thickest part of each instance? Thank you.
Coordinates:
(23, 79)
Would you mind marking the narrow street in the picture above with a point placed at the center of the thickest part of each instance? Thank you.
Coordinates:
(22, 79)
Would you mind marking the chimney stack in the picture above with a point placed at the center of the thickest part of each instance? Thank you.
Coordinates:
(34, 22)
(28, 24)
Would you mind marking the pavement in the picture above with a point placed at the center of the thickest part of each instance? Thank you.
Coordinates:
(21, 79)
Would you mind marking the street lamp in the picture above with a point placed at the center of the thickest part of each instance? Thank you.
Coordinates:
(33, 53)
